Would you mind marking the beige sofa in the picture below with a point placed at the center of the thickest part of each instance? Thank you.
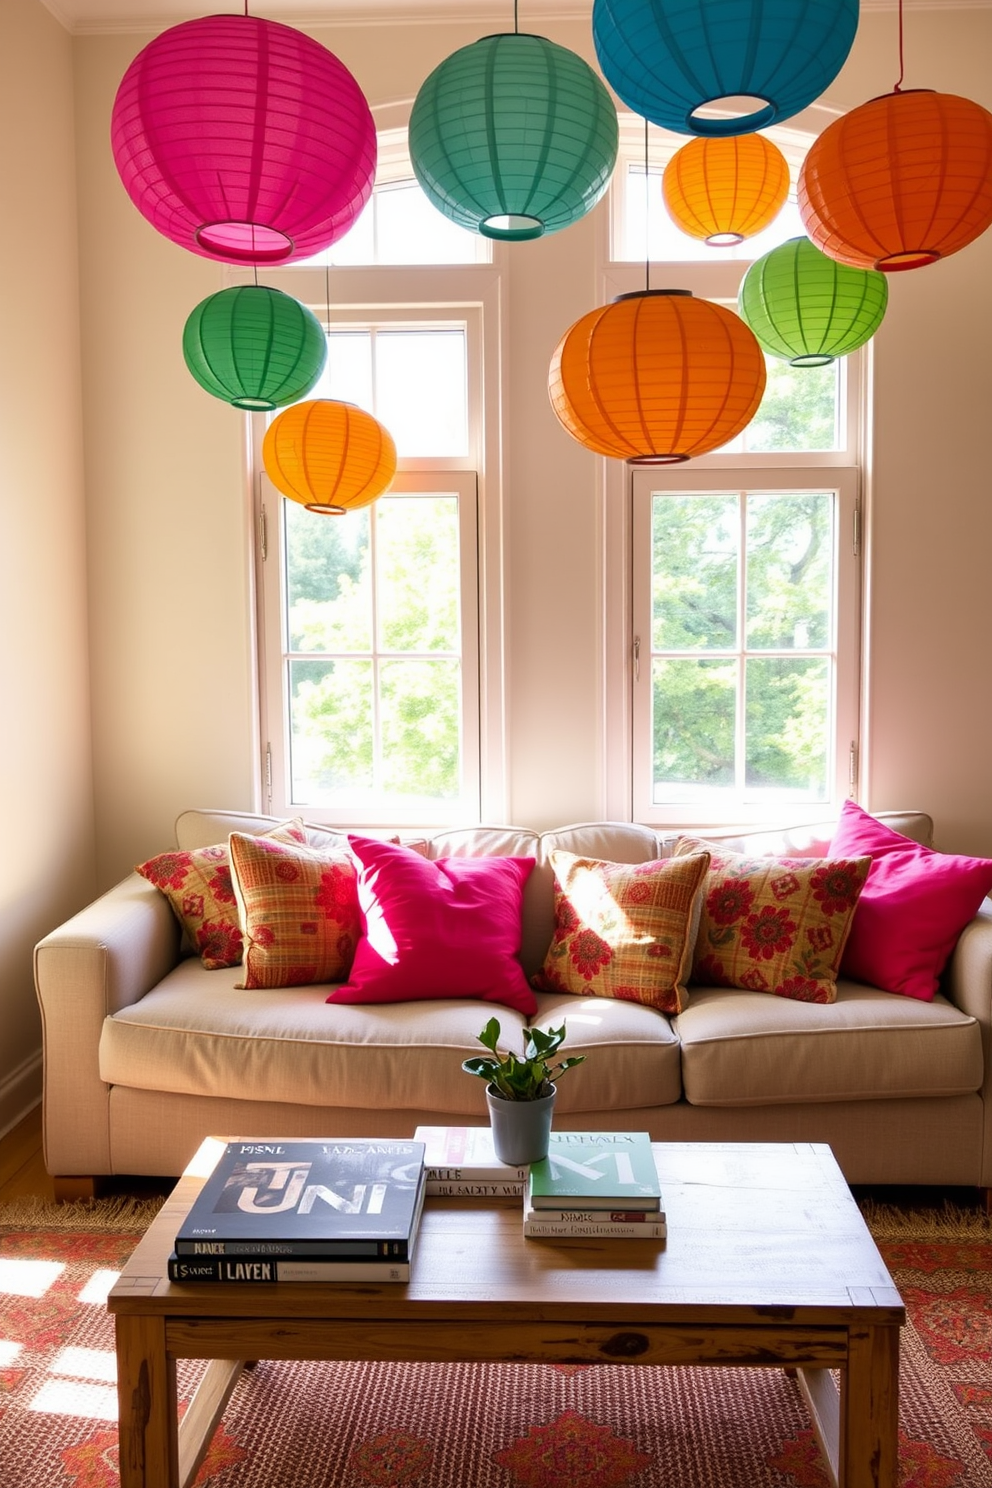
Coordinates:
(146, 1052)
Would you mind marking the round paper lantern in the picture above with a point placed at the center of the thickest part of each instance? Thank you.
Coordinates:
(243, 140)
(759, 61)
(899, 182)
(725, 190)
(328, 456)
(513, 137)
(808, 309)
(254, 347)
(656, 377)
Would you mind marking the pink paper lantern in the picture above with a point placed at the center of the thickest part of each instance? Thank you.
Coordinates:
(243, 140)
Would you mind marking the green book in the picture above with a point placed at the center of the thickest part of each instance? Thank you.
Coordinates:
(596, 1170)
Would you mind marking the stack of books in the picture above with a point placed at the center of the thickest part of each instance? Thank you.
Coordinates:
(595, 1185)
(462, 1163)
(315, 1210)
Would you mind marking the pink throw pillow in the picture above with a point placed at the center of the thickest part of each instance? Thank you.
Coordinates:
(443, 928)
(912, 909)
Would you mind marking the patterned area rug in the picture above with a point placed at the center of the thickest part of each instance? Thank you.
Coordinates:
(482, 1426)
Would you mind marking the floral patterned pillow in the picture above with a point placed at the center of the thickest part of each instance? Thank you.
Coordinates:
(299, 911)
(198, 886)
(624, 930)
(775, 924)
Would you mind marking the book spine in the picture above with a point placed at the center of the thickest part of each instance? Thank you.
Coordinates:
(642, 1217)
(582, 1229)
(347, 1252)
(230, 1272)
(474, 1189)
(499, 1174)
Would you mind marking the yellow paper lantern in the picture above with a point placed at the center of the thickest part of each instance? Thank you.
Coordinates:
(330, 457)
(725, 190)
(656, 377)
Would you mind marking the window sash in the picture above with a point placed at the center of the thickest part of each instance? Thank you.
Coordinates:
(728, 808)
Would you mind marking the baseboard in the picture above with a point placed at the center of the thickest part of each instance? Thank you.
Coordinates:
(20, 1092)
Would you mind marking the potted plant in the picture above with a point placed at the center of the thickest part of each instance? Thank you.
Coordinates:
(520, 1090)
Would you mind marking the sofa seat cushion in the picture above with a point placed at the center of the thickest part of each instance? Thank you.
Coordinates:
(748, 1049)
(196, 1033)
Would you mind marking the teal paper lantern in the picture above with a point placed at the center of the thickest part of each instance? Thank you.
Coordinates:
(807, 309)
(254, 347)
(513, 136)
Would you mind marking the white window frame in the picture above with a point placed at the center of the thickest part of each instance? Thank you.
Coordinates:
(468, 295)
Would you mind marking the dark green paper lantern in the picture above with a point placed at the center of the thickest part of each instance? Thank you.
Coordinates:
(254, 347)
(808, 309)
(513, 136)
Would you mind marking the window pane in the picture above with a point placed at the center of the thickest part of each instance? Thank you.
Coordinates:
(693, 705)
(348, 373)
(327, 580)
(358, 244)
(789, 571)
(799, 411)
(666, 243)
(420, 734)
(416, 538)
(695, 542)
(330, 715)
(786, 715)
(421, 384)
(411, 230)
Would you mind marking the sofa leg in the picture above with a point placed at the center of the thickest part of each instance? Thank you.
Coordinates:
(985, 1199)
(69, 1189)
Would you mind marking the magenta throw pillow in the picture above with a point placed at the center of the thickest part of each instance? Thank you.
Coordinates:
(912, 909)
(443, 928)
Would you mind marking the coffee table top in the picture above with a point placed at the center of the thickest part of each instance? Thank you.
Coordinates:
(757, 1232)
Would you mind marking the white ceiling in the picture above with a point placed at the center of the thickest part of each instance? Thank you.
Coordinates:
(81, 16)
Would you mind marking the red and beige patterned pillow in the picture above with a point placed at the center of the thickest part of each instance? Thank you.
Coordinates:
(775, 924)
(198, 886)
(624, 930)
(299, 911)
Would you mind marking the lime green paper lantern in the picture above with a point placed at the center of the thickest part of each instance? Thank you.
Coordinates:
(254, 347)
(513, 136)
(807, 308)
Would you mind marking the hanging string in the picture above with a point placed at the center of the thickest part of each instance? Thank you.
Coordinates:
(902, 64)
(516, 27)
(327, 298)
(647, 215)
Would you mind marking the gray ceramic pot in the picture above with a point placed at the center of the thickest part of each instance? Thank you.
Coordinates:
(521, 1129)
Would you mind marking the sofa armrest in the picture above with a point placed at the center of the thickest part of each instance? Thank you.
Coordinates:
(967, 981)
(103, 959)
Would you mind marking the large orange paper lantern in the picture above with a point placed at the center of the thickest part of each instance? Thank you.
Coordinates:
(330, 457)
(899, 182)
(725, 190)
(656, 377)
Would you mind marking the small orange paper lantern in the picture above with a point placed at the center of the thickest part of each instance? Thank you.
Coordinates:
(725, 190)
(899, 182)
(330, 457)
(656, 377)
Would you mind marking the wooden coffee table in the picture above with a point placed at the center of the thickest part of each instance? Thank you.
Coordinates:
(768, 1262)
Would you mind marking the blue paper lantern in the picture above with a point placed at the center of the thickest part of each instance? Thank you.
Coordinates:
(763, 60)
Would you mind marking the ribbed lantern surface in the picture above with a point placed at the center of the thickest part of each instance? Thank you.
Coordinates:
(255, 347)
(766, 59)
(900, 181)
(807, 308)
(513, 136)
(328, 456)
(725, 190)
(656, 377)
(243, 140)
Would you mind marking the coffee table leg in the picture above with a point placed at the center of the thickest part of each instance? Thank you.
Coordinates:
(146, 1403)
(869, 1410)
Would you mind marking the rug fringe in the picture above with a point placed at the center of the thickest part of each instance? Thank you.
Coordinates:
(951, 1222)
(123, 1212)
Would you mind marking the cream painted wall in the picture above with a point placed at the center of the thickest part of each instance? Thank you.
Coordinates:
(44, 741)
(172, 674)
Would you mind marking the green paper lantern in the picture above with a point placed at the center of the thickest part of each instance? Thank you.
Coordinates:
(513, 136)
(254, 347)
(807, 308)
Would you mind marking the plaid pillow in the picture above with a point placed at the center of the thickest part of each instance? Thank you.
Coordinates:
(198, 886)
(775, 924)
(624, 930)
(298, 909)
